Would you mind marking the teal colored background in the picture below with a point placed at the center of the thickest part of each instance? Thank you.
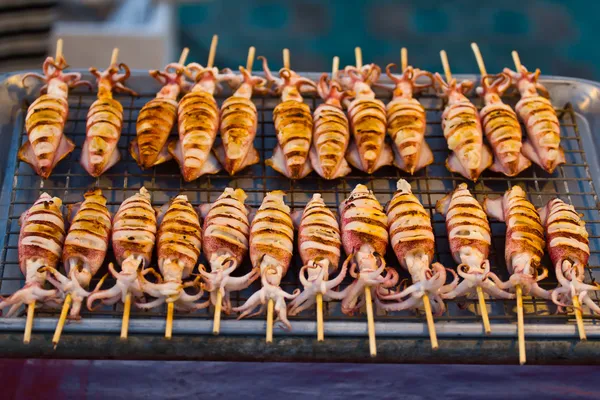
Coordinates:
(560, 37)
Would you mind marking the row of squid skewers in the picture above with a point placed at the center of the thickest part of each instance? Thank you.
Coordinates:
(226, 231)
(327, 141)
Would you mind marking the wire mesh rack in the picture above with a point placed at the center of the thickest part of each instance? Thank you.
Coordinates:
(572, 181)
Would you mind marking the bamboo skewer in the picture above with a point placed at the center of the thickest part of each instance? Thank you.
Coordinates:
(370, 322)
(404, 58)
(126, 312)
(335, 67)
(430, 323)
(484, 312)
(169, 326)
(521, 326)
(446, 65)
(358, 56)
(29, 323)
(217, 316)
(286, 58)
(250, 59)
(320, 329)
(269, 336)
(61, 320)
(212, 51)
(59, 49)
(479, 59)
(579, 318)
(184, 55)
(516, 60)
(114, 56)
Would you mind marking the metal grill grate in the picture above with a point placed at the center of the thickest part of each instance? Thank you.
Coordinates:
(69, 181)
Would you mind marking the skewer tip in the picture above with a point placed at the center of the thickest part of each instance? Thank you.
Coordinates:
(270, 307)
(250, 59)
(320, 333)
(213, 51)
(516, 60)
(217, 316)
(286, 58)
(370, 322)
(430, 323)
(114, 56)
(184, 55)
(335, 66)
(404, 58)
(59, 49)
(358, 56)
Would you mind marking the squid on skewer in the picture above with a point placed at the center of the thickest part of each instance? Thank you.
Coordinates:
(293, 122)
(45, 121)
(85, 248)
(414, 244)
(319, 245)
(470, 238)
(271, 248)
(157, 118)
(40, 247)
(524, 240)
(178, 244)
(225, 244)
(406, 121)
(105, 120)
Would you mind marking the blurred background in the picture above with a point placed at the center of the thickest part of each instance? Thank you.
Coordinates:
(556, 36)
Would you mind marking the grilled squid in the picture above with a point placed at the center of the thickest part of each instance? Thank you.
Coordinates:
(469, 235)
(462, 130)
(501, 126)
(45, 121)
(225, 244)
(271, 247)
(365, 240)
(133, 237)
(293, 123)
(331, 133)
(543, 129)
(524, 240)
(568, 246)
(368, 151)
(198, 124)
(413, 242)
(406, 121)
(178, 244)
(239, 120)
(157, 118)
(319, 245)
(40, 247)
(85, 248)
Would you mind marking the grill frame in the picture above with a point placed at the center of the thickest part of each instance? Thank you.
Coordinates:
(578, 181)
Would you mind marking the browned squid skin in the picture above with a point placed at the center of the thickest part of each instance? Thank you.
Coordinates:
(157, 118)
(40, 247)
(462, 130)
(406, 121)
(524, 240)
(84, 249)
(293, 123)
(537, 113)
(501, 126)
(105, 121)
(239, 121)
(198, 125)
(469, 235)
(45, 121)
(331, 131)
(568, 245)
(368, 151)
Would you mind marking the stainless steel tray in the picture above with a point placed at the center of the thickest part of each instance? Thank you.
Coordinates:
(401, 336)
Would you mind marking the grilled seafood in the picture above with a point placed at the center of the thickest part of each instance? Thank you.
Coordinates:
(462, 130)
(568, 246)
(156, 119)
(133, 237)
(225, 244)
(368, 151)
(293, 123)
(470, 238)
(406, 121)
(105, 121)
(543, 129)
(85, 248)
(319, 244)
(178, 242)
(524, 240)
(331, 133)
(40, 246)
(413, 242)
(46, 117)
(271, 247)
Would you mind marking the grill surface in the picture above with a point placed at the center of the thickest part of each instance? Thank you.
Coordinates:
(573, 182)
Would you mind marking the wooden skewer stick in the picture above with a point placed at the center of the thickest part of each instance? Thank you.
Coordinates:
(430, 323)
(516, 60)
(217, 316)
(126, 312)
(404, 58)
(270, 306)
(212, 51)
(484, 312)
(579, 318)
(184, 55)
(114, 56)
(250, 59)
(335, 66)
(320, 329)
(61, 320)
(521, 326)
(358, 56)
(370, 322)
(29, 323)
(286, 58)
(169, 327)
(446, 65)
(59, 49)
(479, 58)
